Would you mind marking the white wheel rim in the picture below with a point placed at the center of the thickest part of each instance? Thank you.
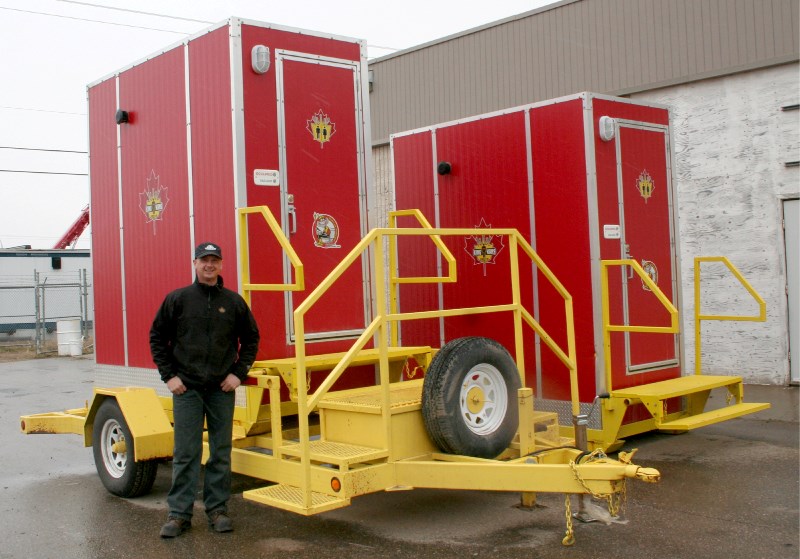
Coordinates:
(483, 399)
(114, 461)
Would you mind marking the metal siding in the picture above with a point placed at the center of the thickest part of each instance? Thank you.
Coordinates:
(413, 166)
(562, 239)
(610, 46)
(108, 331)
(212, 156)
(157, 254)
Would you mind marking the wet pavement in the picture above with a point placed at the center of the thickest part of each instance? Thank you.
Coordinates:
(728, 491)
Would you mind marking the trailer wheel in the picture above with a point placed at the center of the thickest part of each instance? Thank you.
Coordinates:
(114, 456)
(469, 398)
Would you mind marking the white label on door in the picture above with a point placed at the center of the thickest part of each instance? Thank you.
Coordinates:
(611, 231)
(266, 177)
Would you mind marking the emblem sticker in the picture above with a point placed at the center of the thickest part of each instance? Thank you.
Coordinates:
(645, 185)
(483, 248)
(651, 270)
(325, 231)
(321, 128)
(153, 201)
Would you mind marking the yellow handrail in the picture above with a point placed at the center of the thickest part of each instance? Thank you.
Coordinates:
(376, 236)
(395, 279)
(384, 316)
(244, 254)
(673, 328)
(699, 317)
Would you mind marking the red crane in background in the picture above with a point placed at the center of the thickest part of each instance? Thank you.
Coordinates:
(75, 230)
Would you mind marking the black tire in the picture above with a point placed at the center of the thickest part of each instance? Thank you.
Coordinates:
(120, 473)
(469, 398)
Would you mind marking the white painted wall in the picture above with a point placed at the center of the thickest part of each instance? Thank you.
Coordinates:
(731, 142)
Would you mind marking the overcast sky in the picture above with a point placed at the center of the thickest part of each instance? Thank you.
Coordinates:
(51, 49)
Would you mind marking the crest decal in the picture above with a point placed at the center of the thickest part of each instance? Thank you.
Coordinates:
(321, 128)
(483, 248)
(645, 185)
(651, 270)
(325, 231)
(153, 201)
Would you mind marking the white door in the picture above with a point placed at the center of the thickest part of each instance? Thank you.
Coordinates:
(791, 232)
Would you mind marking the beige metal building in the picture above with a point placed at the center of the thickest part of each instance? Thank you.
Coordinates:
(729, 71)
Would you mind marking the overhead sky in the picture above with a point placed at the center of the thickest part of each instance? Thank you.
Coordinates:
(51, 50)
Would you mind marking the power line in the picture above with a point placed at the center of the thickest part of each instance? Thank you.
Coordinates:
(40, 110)
(44, 149)
(43, 172)
(133, 11)
(93, 20)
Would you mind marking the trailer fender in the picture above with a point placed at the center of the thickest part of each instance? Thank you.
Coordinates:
(150, 427)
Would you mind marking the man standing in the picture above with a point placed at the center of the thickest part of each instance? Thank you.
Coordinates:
(203, 340)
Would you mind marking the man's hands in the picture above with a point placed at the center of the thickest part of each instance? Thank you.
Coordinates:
(230, 383)
(176, 386)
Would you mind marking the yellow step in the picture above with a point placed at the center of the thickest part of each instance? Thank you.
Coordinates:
(329, 360)
(342, 455)
(711, 417)
(290, 498)
(403, 397)
(673, 388)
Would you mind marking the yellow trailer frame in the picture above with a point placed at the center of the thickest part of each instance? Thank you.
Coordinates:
(359, 441)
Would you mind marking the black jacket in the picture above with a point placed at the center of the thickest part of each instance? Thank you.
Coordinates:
(202, 333)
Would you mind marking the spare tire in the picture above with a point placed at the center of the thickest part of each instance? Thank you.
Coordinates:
(469, 403)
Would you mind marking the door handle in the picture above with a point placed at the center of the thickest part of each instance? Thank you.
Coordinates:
(626, 256)
(291, 214)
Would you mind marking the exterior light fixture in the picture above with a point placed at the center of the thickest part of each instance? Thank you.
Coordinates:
(259, 59)
(608, 128)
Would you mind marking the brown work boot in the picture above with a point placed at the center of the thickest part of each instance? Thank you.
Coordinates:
(175, 527)
(220, 522)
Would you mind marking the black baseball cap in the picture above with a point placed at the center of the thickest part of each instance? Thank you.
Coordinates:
(205, 249)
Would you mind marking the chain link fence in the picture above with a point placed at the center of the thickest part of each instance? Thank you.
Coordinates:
(32, 308)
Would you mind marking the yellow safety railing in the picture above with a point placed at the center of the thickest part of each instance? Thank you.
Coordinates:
(395, 280)
(699, 317)
(384, 317)
(673, 328)
(244, 254)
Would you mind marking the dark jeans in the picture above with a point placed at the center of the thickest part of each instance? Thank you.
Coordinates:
(189, 410)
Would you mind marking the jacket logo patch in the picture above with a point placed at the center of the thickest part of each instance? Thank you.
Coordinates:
(153, 201)
(321, 128)
(325, 231)
(483, 248)
(645, 185)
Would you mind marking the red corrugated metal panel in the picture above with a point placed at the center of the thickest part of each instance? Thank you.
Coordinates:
(413, 183)
(487, 187)
(108, 331)
(562, 239)
(158, 250)
(322, 178)
(212, 151)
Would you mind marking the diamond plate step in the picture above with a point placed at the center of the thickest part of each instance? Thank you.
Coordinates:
(290, 498)
(340, 454)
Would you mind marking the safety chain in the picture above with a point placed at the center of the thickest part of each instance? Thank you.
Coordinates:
(410, 372)
(569, 536)
(616, 500)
